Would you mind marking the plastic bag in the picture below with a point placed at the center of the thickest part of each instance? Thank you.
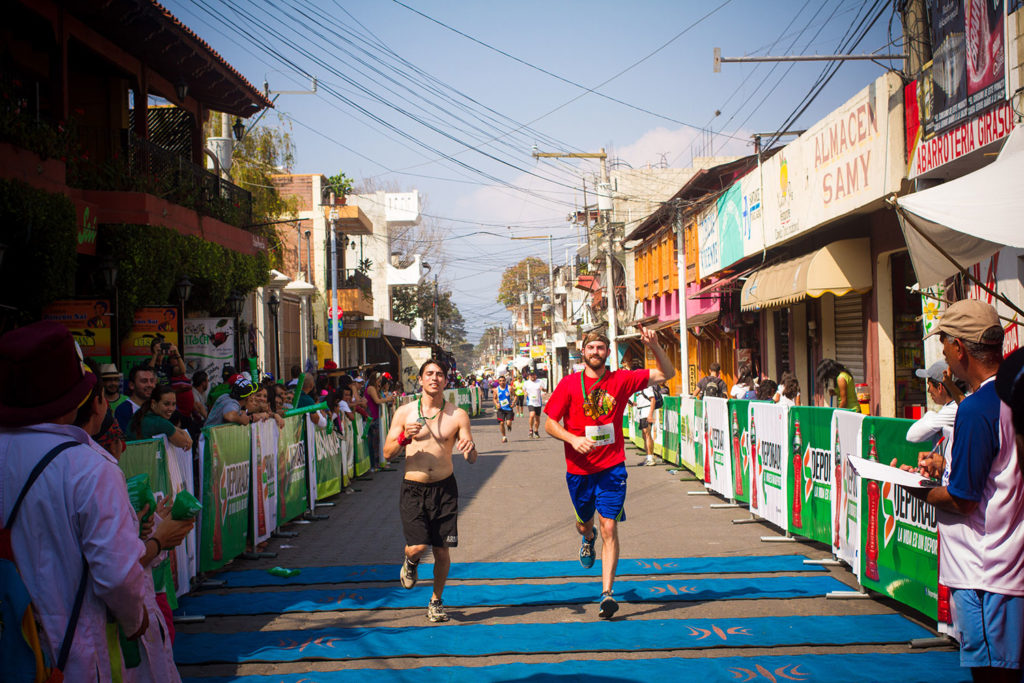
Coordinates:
(284, 573)
(185, 506)
(140, 493)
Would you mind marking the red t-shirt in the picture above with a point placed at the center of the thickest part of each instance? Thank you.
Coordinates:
(566, 403)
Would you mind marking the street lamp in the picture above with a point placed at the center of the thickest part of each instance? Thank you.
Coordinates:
(236, 302)
(184, 287)
(275, 305)
(107, 270)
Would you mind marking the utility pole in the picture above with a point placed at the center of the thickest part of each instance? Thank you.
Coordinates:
(684, 349)
(613, 327)
(332, 319)
(529, 310)
(435, 309)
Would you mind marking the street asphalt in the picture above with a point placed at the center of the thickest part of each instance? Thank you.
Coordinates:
(514, 507)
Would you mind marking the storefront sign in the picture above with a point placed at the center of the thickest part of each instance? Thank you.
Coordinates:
(844, 162)
(981, 131)
(209, 345)
(967, 71)
(148, 323)
(359, 333)
(89, 322)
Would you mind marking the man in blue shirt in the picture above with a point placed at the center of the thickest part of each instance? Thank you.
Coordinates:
(503, 407)
(980, 511)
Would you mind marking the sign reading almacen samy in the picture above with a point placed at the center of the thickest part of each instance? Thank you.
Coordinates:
(847, 161)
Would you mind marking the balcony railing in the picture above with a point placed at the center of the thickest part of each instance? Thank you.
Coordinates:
(147, 167)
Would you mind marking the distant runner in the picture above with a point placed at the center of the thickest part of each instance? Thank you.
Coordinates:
(592, 403)
(503, 407)
(520, 394)
(429, 429)
(534, 402)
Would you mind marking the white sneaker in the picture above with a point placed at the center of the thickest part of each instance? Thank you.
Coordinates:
(504, 439)
(649, 462)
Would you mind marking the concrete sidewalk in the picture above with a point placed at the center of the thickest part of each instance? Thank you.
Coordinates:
(514, 507)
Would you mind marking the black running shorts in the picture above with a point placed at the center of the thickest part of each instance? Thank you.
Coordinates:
(430, 512)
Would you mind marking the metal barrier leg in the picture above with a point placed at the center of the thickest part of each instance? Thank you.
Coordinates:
(788, 538)
(938, 641)
(823, 563)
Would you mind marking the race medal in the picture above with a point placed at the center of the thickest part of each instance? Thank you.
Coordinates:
(602, 435)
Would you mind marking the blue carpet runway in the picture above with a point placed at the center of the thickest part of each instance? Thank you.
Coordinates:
(928, 667)
(590, 636)
(677, 590)
(736, 564)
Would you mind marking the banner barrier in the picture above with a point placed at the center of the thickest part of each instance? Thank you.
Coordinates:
(790, 465)
(811, 474)
(739, 445)
(717, 438)
(264, 480)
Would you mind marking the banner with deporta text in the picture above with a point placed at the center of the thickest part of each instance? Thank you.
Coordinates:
(769, 437)
(291, 470)
(811, 473)
(739, 438)
(899, 535)
(716, 419)
(846, 427)
(264, 479)
(225, 516)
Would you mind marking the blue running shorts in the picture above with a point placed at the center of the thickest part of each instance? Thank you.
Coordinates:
(604, 491)
(991, 628)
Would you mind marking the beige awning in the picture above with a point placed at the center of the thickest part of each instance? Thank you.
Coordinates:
(840, 268)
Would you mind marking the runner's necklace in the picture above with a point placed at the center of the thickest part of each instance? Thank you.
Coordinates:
(419, 411)
(593, 390)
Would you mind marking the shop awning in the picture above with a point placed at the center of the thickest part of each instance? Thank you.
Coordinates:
(969, 218)
(840, 268)
(725, 284)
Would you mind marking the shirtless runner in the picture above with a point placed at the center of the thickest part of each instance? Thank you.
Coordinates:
(430, 428)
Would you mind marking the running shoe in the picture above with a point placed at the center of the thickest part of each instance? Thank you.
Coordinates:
(608, 606)
(408, 574)
(504, 439)
(587, 551)
(436, 612)
(650, 462)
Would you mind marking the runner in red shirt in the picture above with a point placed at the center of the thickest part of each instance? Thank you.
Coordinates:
(591, 404)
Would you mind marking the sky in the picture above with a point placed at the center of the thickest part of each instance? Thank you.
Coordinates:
(452, 97)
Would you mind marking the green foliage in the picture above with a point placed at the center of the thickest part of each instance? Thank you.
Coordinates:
(417, 301)
(20, 127)
(263, 152)
(151, 259)
(340, 183)
(513, 280)
(40, 233)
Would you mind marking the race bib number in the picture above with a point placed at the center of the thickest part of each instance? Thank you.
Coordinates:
(602, 435)
(503, 403)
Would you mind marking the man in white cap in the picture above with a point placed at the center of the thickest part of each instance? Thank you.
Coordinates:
(937, 424)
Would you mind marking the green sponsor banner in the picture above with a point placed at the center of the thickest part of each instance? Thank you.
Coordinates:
(697, 432)
(464, 400)
(226, 477)
(360, 447)
(899, 536)
(810, 477)
(292, 492)
(327, 447)
(670, 430)
(739, 448)
(148, 457)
